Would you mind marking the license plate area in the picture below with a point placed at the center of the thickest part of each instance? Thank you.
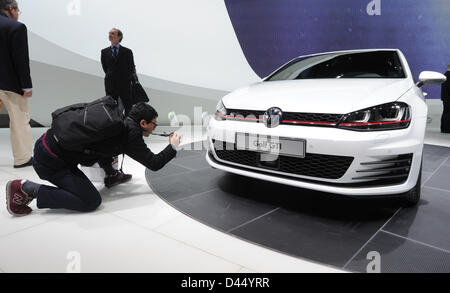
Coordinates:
(268, 161)
(271, 146)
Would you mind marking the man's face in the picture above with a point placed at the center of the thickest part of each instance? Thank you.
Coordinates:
(114, 37)
(147, 128)
(13, 13)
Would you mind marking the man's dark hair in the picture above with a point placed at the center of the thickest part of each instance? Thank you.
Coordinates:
(5, 4)
(119, 33)
(143, 111)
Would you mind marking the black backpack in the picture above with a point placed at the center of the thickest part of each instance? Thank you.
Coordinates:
(77, 126)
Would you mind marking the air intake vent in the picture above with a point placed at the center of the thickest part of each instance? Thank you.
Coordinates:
(395, 169)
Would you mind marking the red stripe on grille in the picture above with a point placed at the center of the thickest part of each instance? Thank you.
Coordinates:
(373, 123)
(307, 122)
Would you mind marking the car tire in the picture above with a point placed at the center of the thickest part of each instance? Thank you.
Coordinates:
(412, 197)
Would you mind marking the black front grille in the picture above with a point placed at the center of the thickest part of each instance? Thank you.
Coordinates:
(312, 117)
(245, 113)
(289, 118)
(313, 165)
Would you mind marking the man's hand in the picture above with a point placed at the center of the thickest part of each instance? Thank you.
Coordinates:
(174, 140)
(27, 94)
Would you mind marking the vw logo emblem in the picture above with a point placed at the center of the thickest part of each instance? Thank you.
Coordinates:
(272, 117)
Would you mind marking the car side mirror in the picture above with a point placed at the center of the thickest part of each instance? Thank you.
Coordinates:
(430, 78)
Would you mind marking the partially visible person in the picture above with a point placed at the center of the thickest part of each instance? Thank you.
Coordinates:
(119, 68)
(74, 191)
(445, 96)
(15, 81)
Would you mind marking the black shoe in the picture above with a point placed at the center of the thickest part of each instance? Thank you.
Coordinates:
(117, 179)
(27, 164)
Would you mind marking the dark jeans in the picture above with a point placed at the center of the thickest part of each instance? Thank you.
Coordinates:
(107, 166)
(74, 190)
(445, 120)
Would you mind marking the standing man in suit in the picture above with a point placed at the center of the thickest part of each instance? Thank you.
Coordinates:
(15, 80)
(118, 65)
(445, 96)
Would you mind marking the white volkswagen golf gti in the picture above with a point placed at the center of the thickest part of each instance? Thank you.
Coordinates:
(347, 122)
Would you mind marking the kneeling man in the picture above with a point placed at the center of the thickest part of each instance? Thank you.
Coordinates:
(74, 191)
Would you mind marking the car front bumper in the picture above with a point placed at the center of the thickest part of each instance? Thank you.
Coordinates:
(371, 151)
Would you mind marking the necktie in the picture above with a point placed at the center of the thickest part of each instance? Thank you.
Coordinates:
(114, 51)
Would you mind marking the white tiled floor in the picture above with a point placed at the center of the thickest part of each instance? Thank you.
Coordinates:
(132, 231)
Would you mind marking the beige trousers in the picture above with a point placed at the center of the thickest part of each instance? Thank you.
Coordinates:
(19, 117)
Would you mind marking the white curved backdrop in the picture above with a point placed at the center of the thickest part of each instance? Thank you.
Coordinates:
(189, 42)
(186, 52)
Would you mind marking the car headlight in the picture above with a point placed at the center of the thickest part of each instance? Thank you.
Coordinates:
(221, 112)
(390, 116)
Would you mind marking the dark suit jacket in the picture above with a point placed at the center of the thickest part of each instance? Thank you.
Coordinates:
(14, 59)
(445, 90)
(119, 71)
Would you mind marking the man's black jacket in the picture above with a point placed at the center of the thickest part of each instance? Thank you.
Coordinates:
(14, 59)
(445, 90)
(118, 71)
(130, 143)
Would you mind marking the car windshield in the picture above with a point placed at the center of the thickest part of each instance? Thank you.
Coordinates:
(376, 64)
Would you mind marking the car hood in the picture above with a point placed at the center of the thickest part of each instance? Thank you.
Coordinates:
(337, 96)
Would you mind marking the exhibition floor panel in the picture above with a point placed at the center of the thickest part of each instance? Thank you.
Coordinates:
(324, 228)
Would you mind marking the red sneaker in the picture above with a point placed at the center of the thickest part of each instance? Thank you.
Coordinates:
(16, 199)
